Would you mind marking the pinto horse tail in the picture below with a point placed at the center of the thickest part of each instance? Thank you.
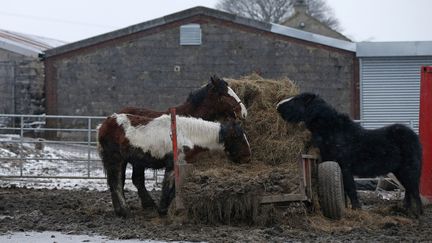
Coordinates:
(108, 149)
(99, 147)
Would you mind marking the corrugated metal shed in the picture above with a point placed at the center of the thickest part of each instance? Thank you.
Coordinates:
(24, 44)
(390, 81)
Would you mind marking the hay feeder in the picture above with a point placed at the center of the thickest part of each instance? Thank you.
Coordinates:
(284, 168)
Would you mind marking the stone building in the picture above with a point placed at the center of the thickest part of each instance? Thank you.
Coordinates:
(156, 64)
(22, 73)
(303, 21)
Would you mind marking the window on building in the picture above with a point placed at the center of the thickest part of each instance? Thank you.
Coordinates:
(190, 34)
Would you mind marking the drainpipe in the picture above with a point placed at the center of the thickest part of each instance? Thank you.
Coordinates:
(13, 88)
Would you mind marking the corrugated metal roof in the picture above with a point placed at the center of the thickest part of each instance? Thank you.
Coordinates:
(25, 44)
(394, 49)
(259, 25)
(312, 37)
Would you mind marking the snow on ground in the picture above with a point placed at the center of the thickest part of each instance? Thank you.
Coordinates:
(40, 168)
(52, 236)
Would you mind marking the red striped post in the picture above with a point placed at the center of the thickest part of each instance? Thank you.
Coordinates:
(425, 130)
(174, 144)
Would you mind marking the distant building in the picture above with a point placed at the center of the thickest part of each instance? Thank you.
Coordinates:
(21, 72)
(303, 21)
(156, 64)
(390, 81)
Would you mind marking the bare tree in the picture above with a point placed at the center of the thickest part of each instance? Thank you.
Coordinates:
(273, 11)
(324, 13)
(277, 11)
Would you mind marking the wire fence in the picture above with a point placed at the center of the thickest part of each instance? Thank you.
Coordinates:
(51, 146)
(63, 147)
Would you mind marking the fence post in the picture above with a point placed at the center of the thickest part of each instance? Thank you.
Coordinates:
(181, 168)
(21, 143)
(174, 145)
(88, 146)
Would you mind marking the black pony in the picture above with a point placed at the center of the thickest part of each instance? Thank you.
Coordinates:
(361, 152)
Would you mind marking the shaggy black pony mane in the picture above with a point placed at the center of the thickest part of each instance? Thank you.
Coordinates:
(324, 112)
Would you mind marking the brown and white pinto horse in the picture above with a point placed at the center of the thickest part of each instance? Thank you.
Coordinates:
(145, 143)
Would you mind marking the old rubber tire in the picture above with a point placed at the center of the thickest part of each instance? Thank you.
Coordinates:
(330, 190)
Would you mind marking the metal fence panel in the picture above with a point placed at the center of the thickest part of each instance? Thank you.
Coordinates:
(48, 146)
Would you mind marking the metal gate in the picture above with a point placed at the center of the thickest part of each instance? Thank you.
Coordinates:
(52, 147)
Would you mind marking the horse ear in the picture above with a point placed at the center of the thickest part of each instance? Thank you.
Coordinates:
(309, 97)
(218, 85)
(214, 80)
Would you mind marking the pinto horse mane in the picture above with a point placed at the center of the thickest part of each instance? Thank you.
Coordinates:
(196, 97)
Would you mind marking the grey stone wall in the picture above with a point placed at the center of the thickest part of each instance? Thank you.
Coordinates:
(140, 71)
(21, 84)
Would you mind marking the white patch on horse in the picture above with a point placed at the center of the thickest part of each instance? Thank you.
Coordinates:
(243, 107)
(121, 118)
(155, 138)
(283, 101)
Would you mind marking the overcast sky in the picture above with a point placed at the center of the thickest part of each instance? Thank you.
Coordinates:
(361, 20)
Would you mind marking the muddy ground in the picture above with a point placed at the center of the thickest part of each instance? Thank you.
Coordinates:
(90, 212)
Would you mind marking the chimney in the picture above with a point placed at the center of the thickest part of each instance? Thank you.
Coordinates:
(300, 6)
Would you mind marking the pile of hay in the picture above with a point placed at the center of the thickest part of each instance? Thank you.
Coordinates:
(219, 191)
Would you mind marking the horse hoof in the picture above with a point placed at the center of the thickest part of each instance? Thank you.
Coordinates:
(148, 204)
(356, 207)
(124, 213)
(162, 212)
(417, 212)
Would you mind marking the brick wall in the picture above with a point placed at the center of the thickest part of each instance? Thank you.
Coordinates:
(140, 70)
(21, 84)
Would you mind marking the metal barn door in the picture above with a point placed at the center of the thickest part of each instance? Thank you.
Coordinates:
(390, 90)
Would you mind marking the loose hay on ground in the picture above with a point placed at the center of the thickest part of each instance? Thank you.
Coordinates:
(219, 191)
(353, 219)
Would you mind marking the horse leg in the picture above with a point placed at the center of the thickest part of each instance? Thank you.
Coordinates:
(415, 195)
(115, 182)
(410, 180)
(417, 201)
(124, 165)
(168, 189)
(350, 188)
(138, 179)
(403, 180)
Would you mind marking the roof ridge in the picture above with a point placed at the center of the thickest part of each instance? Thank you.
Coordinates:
(199, 10)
